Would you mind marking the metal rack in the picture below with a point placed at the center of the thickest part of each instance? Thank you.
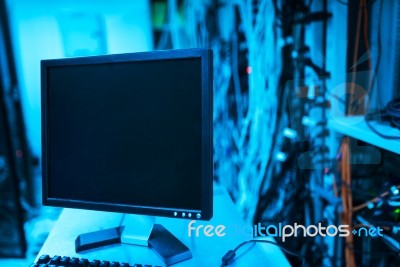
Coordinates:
(15, 161)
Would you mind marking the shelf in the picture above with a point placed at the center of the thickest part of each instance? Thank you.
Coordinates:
(356, 127)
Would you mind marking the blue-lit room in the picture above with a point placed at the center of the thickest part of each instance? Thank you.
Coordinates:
(199, 133)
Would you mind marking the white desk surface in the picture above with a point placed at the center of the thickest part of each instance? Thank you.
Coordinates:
(206, 251)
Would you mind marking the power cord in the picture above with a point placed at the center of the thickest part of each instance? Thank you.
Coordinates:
(228, 257)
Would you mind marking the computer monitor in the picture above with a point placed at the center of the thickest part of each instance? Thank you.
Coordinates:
(129, 133)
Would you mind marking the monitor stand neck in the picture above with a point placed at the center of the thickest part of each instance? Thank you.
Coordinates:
(137, 229)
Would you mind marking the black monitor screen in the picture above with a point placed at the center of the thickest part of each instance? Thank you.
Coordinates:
(127, 134)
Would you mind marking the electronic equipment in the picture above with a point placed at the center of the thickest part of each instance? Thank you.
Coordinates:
(130, 133)
(16, 173)
(46, 260)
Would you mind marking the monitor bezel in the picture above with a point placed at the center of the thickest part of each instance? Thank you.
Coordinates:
(206, 210)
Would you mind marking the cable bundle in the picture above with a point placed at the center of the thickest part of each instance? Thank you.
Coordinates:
(347, 200)
(390, 113)
(393, 111)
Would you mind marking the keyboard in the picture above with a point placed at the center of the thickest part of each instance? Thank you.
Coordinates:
(58, 261)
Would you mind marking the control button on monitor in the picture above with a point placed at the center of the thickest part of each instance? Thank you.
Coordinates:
(198, 215)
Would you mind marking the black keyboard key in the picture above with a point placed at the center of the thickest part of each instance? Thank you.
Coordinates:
(63, 261)
(137, 265)
(54, 260)
(44, 259)
(83, 263)
(124, 264)
(73, 262)
(114, 264)
(105, 264)
(94, 263)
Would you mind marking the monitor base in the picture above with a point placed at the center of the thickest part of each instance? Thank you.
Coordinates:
(169, 248)
(98, 239)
